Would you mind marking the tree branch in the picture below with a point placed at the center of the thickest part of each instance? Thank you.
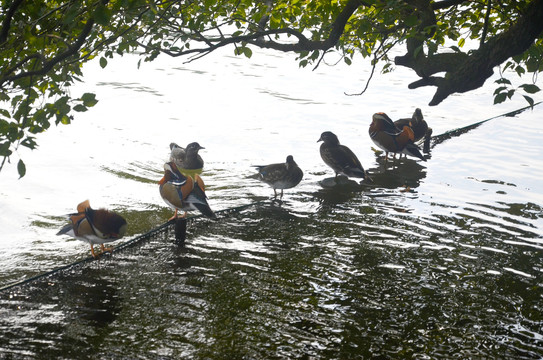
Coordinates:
(468, 72)
(48, 65)
(258, 38)
(6, 24)
(473, 72)
(487, 18)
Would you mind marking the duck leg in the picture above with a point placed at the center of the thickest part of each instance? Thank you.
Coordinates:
(174, 216)
(104, 249)
(93, 253)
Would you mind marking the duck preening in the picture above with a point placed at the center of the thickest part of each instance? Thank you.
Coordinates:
(384, 133)
(416, 123)
(339, 157)
(281, 175)
(182, 192)
(95, 226)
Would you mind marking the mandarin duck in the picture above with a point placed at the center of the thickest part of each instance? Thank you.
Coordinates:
(95, 226)
(187, 158)
(280, 176)
(416, 123)
(182, 192)
(388, 137)
(339, 157)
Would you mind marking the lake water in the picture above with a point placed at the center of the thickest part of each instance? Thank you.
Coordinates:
(435, 259)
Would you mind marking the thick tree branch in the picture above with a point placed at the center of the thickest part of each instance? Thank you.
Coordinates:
(468, 72)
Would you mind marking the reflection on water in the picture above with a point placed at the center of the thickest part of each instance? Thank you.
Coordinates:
(434, 259)
(356, 280)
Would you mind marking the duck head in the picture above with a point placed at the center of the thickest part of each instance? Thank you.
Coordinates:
(194, 147)
(381, 122)
(329, 137)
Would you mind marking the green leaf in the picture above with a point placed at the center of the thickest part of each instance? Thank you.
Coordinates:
(4, 149)
(103, 62)
(500, 98)
(29, 143)
(461, 42)
(530, 88)
(102, 15)
(411, 20)
(21, 168)
(529, 100)
(65, 120)
(532, 65)
(70, 14)
(499, 90)
(89, 99)
(80, 108)
(248, 52)
(503, 81)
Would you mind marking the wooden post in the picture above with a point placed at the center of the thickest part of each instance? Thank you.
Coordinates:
(180, 231)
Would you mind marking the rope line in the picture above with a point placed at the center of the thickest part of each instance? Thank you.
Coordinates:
(132, 242)
(437, 139)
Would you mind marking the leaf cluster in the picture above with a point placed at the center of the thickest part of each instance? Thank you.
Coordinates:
(45, 43)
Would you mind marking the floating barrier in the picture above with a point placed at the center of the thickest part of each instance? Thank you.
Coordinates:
(437, 139)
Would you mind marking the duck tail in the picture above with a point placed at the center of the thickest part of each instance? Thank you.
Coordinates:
(66, 229)
(413, 150)
(198, 199)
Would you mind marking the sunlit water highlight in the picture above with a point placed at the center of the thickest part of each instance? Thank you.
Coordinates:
(450, 267)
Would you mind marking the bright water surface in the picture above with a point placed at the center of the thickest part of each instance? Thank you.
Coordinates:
(450, 268)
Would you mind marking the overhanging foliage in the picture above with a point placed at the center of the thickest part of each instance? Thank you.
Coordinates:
(43, 44)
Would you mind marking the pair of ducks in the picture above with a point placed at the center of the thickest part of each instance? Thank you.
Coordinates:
(183, 189)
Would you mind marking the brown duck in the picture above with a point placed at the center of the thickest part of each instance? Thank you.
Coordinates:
(384, 133)
(280, 176)
(339, 157)
(182, 192)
